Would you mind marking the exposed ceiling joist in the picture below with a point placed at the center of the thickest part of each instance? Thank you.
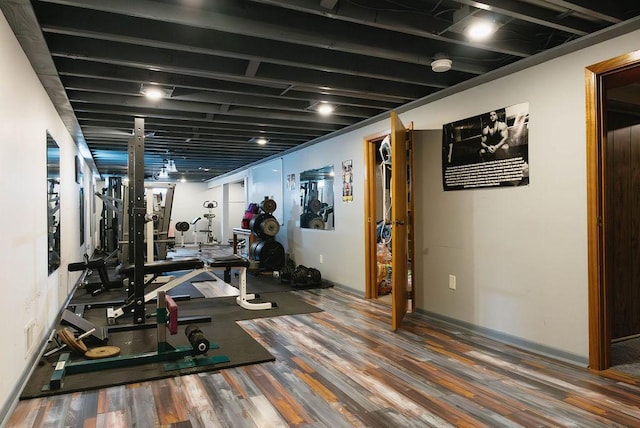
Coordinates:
(233, 70)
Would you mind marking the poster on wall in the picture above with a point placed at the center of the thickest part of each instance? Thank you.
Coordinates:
(291, 182)
(488, 150)
(347, 181)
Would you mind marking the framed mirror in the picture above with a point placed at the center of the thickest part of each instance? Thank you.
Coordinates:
(80, 181)
(316, 198)
(53, 203)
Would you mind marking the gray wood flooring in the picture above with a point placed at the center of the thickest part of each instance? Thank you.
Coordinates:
(343, 367)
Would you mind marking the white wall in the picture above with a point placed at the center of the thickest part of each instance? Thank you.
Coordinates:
(30, 296)
(234, 197)
(266, 180)
(342, 249)
(237, 205)
(519, 254)
(188, 203)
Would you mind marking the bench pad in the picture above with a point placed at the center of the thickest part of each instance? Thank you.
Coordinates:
(233, 260)
(162, 266)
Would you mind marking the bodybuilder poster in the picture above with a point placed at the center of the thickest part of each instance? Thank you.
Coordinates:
(488, 150)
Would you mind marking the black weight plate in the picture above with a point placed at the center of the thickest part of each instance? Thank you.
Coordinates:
(314, 205)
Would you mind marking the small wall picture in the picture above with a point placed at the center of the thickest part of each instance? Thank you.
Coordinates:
(347, 181)
(291, 182)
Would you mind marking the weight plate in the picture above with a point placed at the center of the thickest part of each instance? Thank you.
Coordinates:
(182, 226)
(269, 206)
(316, 223)
(254, 250)
(256, 225)
(315, 205)
(269, 253)
(270, 226)
(102, 352)
(67, 337)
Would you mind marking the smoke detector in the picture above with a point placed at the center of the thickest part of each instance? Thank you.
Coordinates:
(440, 65)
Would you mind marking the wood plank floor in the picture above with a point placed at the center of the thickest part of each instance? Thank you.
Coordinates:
(344, 368)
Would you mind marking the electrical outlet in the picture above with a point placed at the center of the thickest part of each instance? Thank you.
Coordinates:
(452, 282)
(29, 338)
(321, 259)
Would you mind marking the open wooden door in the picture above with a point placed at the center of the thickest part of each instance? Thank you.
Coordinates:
(400, 217)
(400, 222)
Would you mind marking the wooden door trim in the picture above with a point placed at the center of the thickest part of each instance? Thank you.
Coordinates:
(599, 331)
(369, 147)
(412, 216)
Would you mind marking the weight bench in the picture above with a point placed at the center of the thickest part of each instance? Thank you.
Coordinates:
(243, 299)
(161, 266)
(100, 265)
(154, 269)
(198, 266)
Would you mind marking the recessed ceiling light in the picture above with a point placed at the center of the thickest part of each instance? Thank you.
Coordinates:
(155, 92)
(259, 140)
(475, 23)
(480, 29)
(325, 109)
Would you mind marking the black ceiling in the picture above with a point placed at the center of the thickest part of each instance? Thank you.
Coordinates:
(240, 69)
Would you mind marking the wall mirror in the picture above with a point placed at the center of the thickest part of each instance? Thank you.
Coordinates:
(316, 198)
(80, 181)
(53, 203)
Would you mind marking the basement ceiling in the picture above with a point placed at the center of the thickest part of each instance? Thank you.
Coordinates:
(237, 70)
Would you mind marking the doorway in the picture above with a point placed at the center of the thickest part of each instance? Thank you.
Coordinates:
(613, 175)
(389, 227)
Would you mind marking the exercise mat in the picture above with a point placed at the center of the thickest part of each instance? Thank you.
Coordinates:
(233, 342)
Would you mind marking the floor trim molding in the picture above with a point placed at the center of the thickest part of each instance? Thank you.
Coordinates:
(508, 339)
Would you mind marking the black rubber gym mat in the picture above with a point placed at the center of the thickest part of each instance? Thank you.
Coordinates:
(233, 341)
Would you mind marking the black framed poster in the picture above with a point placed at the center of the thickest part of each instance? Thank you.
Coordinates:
(488, 150)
